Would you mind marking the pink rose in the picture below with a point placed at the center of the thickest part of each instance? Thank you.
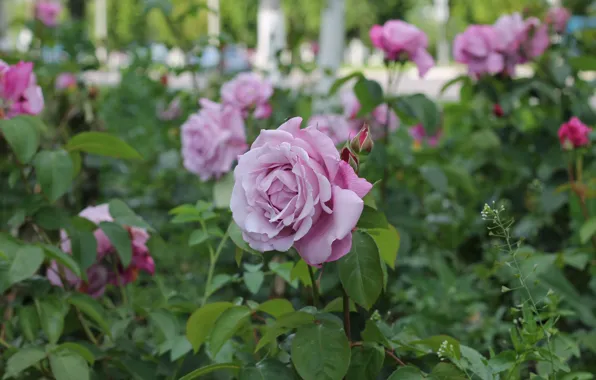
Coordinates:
(19, 92)
(171, 112)
(66, 81)
(397, 37)
(212, 139)
(511, 31)
(477, 48)
(377, 119)
(292, 189)
(47, 12)
(334, 126)
(558, 18)
(248, 91)
(536, 39)
(102, 271)
(574, 134)
(419, 135)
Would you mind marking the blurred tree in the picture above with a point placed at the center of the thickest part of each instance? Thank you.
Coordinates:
(580, 7)
(77, 9)
(239, 20)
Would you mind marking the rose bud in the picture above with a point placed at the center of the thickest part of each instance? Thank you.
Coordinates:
(498, 111)
(362, 142)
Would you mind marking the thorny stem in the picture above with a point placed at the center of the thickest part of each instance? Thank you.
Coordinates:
(314, 287)
(212, 262)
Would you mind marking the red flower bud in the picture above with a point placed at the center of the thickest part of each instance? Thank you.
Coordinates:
(362, 142)
(498, 111)
(164, 79)
(349, 157)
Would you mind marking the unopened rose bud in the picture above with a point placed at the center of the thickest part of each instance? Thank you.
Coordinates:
(362, 142)
(164, 79)
(498, 111)
(349, 157)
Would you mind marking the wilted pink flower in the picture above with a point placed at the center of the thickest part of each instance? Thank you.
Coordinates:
(66, 81)
(103, 272)
(558, 18)
(248, 92)
(397, 38)
(212, 139)
(418, 133)
(334, 126)
(19, 92)
(574, 134)
(379, 118)
(47, 12)
(477, 48)
(171, 112)
(292, 189)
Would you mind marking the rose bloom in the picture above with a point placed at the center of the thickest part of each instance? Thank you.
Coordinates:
(212, 139)
(248, 92)
(47, 12)
(477, 48)
(511, 31)
(558, 18)
(19, 92)
(334, 126)
(292, 189)
(66, 81)
(536, 39)
(104, 271)
(377, 119)
(397, 37)
(574, 134)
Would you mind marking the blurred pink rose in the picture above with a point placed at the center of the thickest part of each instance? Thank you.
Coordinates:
(419, 135)
(212, 139)
(47, 12)
(292, 189)
(558, 18)
(19, 92)
(574, 134)
(536, 39)
(66, 81)
(397, 37)
(248, 92)
(477, 48)
(376, 120)
(171, 112)
(102, 271)
(334, 126)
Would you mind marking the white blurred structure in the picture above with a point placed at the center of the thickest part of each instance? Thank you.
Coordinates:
(331, 41)
(101, 29)
(356, 53)
(4, 42)
(213, 27)
(271, 35)
(442, 16)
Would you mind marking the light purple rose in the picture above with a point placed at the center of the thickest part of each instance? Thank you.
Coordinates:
(558, 18)
(477, 48)
(377, 120)
(292, 189)
(248, 92)
(171, 112)
(397, 37)
(212, 139)
(336, 127)
(19, 92)
(47, 12)
(536, 39)
(66, 81)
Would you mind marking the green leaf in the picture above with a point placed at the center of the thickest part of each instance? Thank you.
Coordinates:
(222, 191)
(337, 306)
(69, 366)
(371, 218)
(341, 81)
(300, 272)
(226, 326)
(461, 78)
(210, 368)
(200, 323)
(387, 241)
(276, 307)
(369, 94)
(407, 373)
(435, 177)
(236, 236)
(76, 348)
(360, 270)
(421, 109)
(54, 170)
(268, 369)
(583, 62)
(587, 230)
(92, 309)
(372, 333)
(504, 361)
(53, 253)
(25, 263)
(102, 144)
(22, 135)
(197, 237)
(180, 347)
(444, 371)
(476, 362)
(84, 248)
(77, 163)
(283, 325)
(321, 352)
(52, 218)
(253, 281)
(120, 238)
(284, 270)
(51, 315)
(366, 362)
(433, 343)
(125, 216)
(165, 322)
(23, 359)
(459, 177)
(28, 322)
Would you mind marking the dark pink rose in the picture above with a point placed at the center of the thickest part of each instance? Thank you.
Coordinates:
(574, 134)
